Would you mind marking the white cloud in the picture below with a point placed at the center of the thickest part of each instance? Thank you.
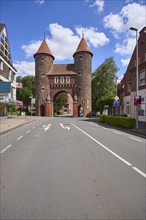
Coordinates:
(25, 68)
(40, 2)
(125, 62)
(131, 14)
(126, 48)
(63, 42)
(95, 38)
(31, 48)
(99, 4)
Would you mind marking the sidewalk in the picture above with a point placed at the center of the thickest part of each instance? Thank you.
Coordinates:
(10, 123)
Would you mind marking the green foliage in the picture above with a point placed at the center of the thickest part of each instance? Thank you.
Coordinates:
(28, 89)
(103, 84)
(104, 100)
(12, 108)
(59, 102)
(124, 122)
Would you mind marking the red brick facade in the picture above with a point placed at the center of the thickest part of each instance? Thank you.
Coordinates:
(127, 87)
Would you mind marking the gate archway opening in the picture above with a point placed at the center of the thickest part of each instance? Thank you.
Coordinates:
(80, 111)
(42, 110)
(63, 104)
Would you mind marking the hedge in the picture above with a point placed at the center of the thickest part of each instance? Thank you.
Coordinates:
(124, 122)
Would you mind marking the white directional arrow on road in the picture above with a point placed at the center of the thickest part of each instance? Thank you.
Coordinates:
(65, 127)
(47, 127)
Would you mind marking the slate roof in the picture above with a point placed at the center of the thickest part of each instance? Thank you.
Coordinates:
(83, 47)
(62, 69)
(44, 49)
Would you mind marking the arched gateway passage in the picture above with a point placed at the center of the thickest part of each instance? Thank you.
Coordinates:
(63, 104)
(74, 79)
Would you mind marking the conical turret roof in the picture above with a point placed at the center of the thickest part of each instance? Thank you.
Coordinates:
(83, 47)
(44, 49)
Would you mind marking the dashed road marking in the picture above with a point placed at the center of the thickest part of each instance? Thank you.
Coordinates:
(116, 132)
(27, 131)
(6, 148)
(136, 139)
(19, 137)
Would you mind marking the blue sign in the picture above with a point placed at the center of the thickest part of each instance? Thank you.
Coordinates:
(5, 87)
(116, 102)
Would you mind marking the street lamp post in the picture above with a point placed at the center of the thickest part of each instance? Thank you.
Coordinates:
(136, 30)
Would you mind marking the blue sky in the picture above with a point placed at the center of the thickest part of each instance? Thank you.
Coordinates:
(105, 24)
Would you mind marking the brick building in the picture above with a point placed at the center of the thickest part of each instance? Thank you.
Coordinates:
(127, 87)
(7, 70)
(74, 79)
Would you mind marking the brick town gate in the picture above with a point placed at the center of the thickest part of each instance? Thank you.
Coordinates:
(75, 79)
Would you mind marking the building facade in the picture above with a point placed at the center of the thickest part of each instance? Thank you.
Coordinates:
(127, 87)
(74, 79)
(7, 70)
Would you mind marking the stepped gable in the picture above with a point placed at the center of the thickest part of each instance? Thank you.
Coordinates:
(44, 49)
(62, 69)
(83, 47)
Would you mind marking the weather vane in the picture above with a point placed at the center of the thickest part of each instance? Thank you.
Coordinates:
(82, 32)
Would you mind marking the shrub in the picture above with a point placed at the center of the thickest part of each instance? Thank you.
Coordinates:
(124, 122)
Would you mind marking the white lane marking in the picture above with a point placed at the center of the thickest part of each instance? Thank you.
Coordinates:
(116, 132)
(116, 155)
(139, 171)
(105, 128)
(136, 139)
(97, 126)
(6, 148)
(65, 127)
(19, 137)
(33, 127)
(46, 128)
(27, 131)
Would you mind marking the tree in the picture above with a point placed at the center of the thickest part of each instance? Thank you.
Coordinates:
(103, 84)
(27, 90)
(60, 101)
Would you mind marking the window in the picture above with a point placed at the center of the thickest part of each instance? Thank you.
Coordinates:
(1, 65)
(61, 79)
(42, 89)
(128, 108)
(142, 108)
(55, 80)
(129, 86)
(142, 78)
(43, 75)
(67, 79)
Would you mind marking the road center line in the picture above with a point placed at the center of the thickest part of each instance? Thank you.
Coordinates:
(19, 137)
(116, 155)
(27, 131)
(136, 139)
(6, 148)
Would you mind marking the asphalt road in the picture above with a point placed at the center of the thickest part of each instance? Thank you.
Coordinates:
(65, 168)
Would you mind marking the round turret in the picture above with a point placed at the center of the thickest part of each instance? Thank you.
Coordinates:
(43, 63)
(82, 63)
